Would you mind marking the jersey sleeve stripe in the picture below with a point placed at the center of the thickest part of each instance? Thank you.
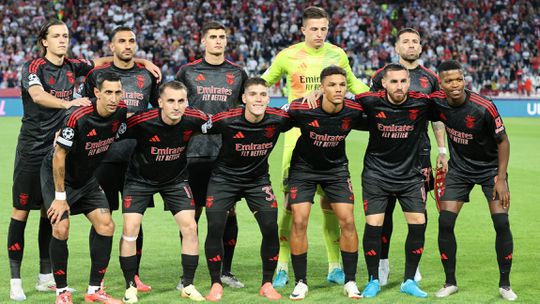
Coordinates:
(228, 114)
(438, 94)
(273, 111)
(135, 120)
(430, 72)
(34, 66)
(106, 65)
(486, 104)
(77, 114)
(415, 94)
(377, 72)
(191, 63)
(232, 63)
(196, 114)
(369, 93)
(353, 105)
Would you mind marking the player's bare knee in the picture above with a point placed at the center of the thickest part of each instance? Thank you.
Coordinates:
(299, 224)
(19, 215)
(105, 227)
(347, 224)
(60, 230)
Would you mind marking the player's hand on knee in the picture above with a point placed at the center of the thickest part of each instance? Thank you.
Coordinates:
(57, 209)
(500, 191)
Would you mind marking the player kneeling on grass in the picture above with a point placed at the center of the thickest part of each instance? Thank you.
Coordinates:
(319, 159)
(158, 165)
(479, 153)
(69, 186)
(248, 136)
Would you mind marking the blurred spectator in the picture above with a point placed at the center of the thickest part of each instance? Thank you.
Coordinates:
(497, 41)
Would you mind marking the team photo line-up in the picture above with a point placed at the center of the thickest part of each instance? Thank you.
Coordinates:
(203, 141)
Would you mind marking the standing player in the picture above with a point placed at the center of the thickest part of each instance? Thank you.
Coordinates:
(158, 165)
(140, 89)
(479, 153)
(69, 186)
(48, 83)
(396, 120)
(302, 64)
(425, 81)
(319, 159)
(248, 136)
(214, 85)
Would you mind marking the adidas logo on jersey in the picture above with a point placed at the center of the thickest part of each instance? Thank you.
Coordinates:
(155, 138)
(381, 115)
(239, 135)
(314, 124)
(92, 133)
(200, 77)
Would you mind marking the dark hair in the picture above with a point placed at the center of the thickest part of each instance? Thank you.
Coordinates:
(117, 29)
(449, 65)
(107, 76)
(314, 12)
(393, 67)
(407, 30)
(44, 31)
(254, 81)
(332, 70)
(174, 85)
(212, 25)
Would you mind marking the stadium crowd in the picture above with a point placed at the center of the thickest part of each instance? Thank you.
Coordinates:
(497, 41)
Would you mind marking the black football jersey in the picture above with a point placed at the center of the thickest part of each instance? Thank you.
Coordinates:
(160, 153)
(321, 145)
(395, 133)
(246, 146)
(40, 123)
(423, 80)
(140, 90)
(473, 129)
(211, 89)
(87, 136)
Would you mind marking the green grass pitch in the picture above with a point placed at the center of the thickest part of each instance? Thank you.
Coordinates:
(477, 272)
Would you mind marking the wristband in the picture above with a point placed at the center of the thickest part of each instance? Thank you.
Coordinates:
(442, 150)
(60, 196)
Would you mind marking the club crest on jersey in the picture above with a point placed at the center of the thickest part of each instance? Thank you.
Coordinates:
(209, 201)
(294, 192)
(413, 114)
(51, 80)
(469, 121)
(187, 135)
(70, 77)
(115, 126)
(424, 82)
(345, 124)
(269, 132)
(230, 78)
(127, 202)
(23, 199)
(140, 81)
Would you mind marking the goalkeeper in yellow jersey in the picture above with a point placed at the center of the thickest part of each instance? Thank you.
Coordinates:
(302, 64)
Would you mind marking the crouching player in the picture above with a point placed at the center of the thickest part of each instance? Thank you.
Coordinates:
(319, 159)
(69, 186)
(158, 165)
(248, 136)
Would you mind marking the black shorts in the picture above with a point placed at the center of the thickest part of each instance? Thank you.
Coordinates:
(138, 196)
(199, 170)
(111, 177)
(26, 189)
(223, 193)
(458, 186)
(377, 193)
(81, 200)
(337, 186)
